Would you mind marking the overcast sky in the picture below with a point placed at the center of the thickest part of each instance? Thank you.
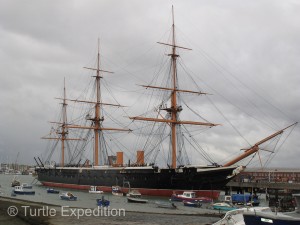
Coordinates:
(245, 53)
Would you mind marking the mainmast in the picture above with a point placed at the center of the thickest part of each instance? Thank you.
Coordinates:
(97, 110)
(174, 108)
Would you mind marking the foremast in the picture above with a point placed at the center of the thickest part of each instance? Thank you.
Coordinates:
(98, 119)
(174, 109)
(64, 131)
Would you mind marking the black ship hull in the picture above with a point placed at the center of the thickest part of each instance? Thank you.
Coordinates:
(148, 180)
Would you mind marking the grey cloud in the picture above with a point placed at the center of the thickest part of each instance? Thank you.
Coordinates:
(257, 42)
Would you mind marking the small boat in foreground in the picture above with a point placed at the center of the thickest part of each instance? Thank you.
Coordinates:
(225, 206)
(235, 217)
(269, 217)
(93, 190)
(167, 205)
(20, 191)
(117, 191)
(262, 218)
(27, 186)
(189, 196)
(134, 193)
(52, 191)
(195, 204)
(136, 200)
(103, 202)
(68, 196)
(15, 182)
(136, 197)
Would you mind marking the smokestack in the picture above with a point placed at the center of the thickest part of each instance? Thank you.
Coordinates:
(140, 157)
(119, 158)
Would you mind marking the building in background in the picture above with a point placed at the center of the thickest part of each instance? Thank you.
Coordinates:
(291, 175)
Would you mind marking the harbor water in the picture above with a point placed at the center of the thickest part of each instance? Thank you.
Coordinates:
(130, 213)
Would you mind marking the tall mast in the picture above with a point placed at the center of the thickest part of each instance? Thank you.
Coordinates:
(97, 119)
(64, 132)
(174, 109)
(97, 111)
(64, 127)
(174, 94)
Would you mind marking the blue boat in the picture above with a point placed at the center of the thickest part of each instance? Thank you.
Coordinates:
(68, 196)
(245, 199)
(52, 191)
(20, 191)
(102, 202)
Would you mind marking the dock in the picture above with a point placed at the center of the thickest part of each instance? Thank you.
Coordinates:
(264, 185)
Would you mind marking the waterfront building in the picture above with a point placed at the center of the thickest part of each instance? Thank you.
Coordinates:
(290, 175)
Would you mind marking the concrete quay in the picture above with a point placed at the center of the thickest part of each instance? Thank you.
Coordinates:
(265, 184)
